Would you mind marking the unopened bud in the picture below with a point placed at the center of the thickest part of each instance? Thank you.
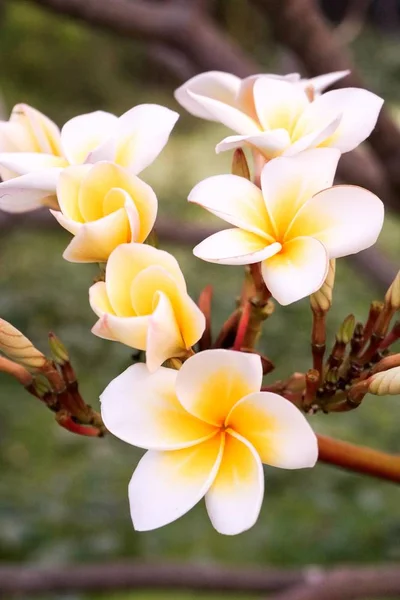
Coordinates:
(321, 301)
(17, 347)
(346, 330)
(240, 166)
(58, 350)
(392, 297)
(385, 383)
(42, 385)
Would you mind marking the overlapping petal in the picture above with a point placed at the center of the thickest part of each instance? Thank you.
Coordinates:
(84, 134)
(29, 192)
(235, 247)
(221, 86)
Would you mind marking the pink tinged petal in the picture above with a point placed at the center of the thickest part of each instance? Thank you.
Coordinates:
(236, 200)
(235, 247)
(271, 143)
(227, 115)
(83, 135)
(28, 162)
(345, 218)
(95, 241)
(141, 408)
(321, 82)
(297, 271)
(125, 263)
(166, 485)
(278, 103)
(322, 131)
(68, 224)
(218, 85)
(235, 498)
(131, 331)
(287, 183)
(211, 382)
(279, 432)
(164, 338)
(141, 134)
(359, 110)
(28, 192)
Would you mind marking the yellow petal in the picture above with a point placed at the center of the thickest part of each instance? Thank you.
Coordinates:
(69, 184)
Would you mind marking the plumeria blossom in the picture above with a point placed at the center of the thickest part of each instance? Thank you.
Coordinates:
(144, 304)
(207, 429)
(132, 141)
(294, 225)
(103, 205)
(278, 115)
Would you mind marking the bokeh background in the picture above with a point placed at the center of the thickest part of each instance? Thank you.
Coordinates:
(63, 498)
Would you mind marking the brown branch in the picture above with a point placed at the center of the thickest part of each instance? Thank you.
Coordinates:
(359, 459)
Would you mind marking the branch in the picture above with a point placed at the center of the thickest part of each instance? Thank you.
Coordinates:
(359, 459)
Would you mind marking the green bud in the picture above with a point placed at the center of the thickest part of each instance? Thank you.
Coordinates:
(58, 350)
(346, 330)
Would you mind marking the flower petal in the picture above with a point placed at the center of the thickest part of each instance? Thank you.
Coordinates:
(318, 136)
(321, 82)
(235, 498)
(236, 200)
(141, 134)
(359, 110)
(68, 224)
(287, 183)
(278, 103)
(131, 331)
(164, 338)
(279, 432)
(213, 84)
(345, 218)
(68, 186)
(297, 271)
(210, 383)
(83, 134)
(27, 162)
(271, 143)
(15, 138)
(45, 133)
(166, 485)
(28, 192)
(141, 408)
(235, 247)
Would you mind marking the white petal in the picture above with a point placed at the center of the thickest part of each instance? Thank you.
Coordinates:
(359, 110)
(227, 115)
(345, 218)
(131, 331)
(234, 500)
(277, 429)
(319, 136)
(166, 485)
(141, 409)
(164, 338)
(278, 103)
(213, 84)
(27, 162)
(297, 271)
(28, 192)
(271, 143)
(321, 82)
(83, 134)
(235, 247)
(142, 133)
(287, 183)
(211, 382)
(234, 199)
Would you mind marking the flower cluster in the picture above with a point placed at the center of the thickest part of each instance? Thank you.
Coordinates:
(203, 416)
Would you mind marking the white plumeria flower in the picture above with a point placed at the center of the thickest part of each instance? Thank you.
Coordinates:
(294, 225)
(275, 115)
(207, 429)
(144, 304)
(132, 141)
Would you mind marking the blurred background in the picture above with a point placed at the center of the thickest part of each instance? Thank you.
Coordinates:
(63, 498)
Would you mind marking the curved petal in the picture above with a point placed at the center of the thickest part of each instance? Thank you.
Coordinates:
(83, 134)
(131, 331)
(95, 241)
(235, 247)
(166, 485)
(211, 382)
(321, 82)
(235, 498)
(141, 409)
(14, 137)
(213, 84)
(142, 133)
(271, 143)
(359, 110)
(297, 271)
(236, 200)
(125, 263)
(28, 162)
(287, 183)
(28, 192)
(345, 218)
(318, 136)
(227, 115)
(279, 432)
(68, 224)
(41, 128)
(98, 299)
(68, 187)
(278, 103)
(164, 338)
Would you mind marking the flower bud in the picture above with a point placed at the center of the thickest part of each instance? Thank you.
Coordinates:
(385, 383)
(17, 347)
(321, 301)
(392, 297)
(239, 164)
(58, 350)
(346, 330)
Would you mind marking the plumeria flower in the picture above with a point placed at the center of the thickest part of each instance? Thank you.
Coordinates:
(275, 115)
(207, 429)
(294, 225)
(144, 304)
(132, 141)
(103, 206)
